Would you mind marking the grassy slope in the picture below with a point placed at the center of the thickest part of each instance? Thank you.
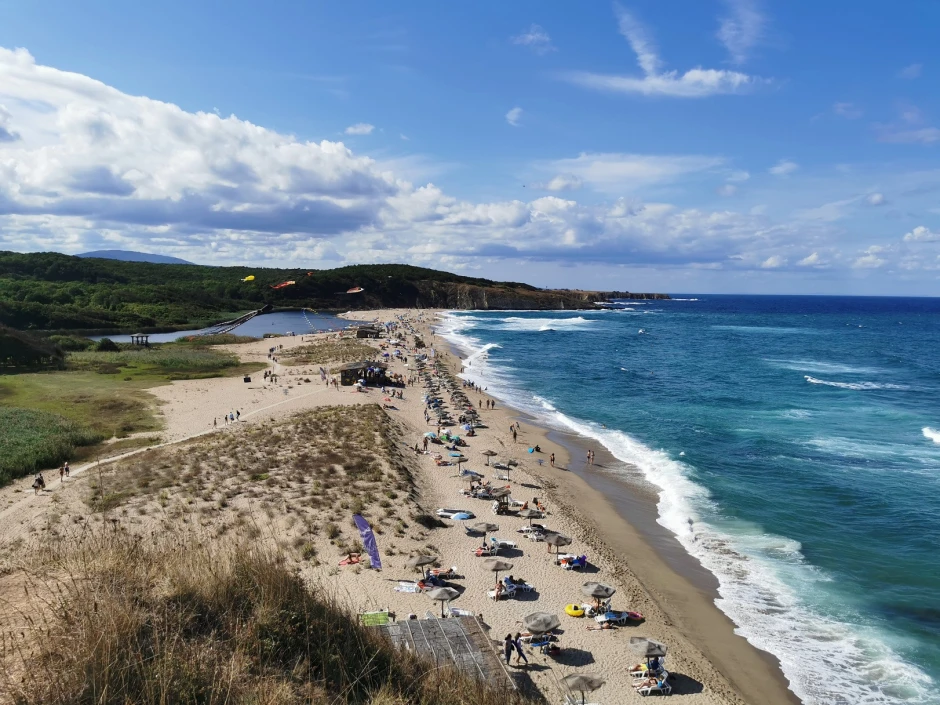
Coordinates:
(101, 396)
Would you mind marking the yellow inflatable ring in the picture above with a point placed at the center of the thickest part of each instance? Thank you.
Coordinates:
(574, 610)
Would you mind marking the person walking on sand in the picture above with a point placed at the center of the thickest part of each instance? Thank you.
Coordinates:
(238, 415)
(62, 474)
(551, 459)
(67, 468)
(513, 429)
(517, 643)
(508, 646)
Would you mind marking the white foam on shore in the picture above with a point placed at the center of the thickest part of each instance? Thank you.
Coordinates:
(766, 586)
(931, 433)
(518, 323)
(858, 386)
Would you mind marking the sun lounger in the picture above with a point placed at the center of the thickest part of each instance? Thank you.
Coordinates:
(615, 617)
(455, 612)
(527, 638)
(521, 587)
(502, 543)
(642, 671)
(407, 587)
(654, 685)
(481, 551)
(507, 592)
(374, 619)
(444, 573)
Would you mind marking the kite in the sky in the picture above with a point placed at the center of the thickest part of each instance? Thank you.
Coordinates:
(249, 278)
(355, 290)
(283, 284)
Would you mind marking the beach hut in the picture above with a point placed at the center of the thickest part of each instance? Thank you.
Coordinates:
(371, 372)
(368, 332)
(141, 339)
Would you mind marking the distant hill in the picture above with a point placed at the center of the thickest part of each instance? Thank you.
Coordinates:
(131, 256)
(51, 291)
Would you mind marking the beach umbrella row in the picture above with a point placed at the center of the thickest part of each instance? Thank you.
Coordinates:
(442, 595)
(583, 682)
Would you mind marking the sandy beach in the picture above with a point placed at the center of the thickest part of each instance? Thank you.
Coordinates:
(710, 664)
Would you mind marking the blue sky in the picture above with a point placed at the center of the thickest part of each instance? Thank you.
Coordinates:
(708, 146)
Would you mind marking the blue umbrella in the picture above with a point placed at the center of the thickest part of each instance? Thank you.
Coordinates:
(455, 455)
(430, 434)
(462, 516)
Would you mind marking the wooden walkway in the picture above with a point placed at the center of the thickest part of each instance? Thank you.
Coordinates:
(460, 641)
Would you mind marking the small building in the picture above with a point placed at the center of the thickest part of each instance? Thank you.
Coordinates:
(372, 372)
(368, 332)
(142, 339)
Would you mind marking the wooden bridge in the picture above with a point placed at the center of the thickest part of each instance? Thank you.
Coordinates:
(228, 326)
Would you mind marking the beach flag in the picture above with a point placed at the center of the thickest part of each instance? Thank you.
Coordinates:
(368, 541)
(322, 374)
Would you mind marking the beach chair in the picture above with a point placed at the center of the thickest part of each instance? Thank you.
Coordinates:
(658, 685)
(502, 543)
(508, 592)
(483, 552)
(642, 671)
(521, 587)
(445, 573)
(619, 618)
(379, 618)
(456, 612)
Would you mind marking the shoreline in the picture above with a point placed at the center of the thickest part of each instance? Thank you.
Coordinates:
(674, 579)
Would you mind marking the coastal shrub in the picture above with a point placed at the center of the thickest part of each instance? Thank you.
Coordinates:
(19, 349)
(328, 351)
(218, 339)
(165, 359)
(171, 620)
(71, 343)
(31, 440)
(106, 345)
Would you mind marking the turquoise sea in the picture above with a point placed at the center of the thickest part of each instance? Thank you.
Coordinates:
(795, 446)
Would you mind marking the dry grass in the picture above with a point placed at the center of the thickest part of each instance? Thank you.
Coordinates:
(116, 619)
(328, 352)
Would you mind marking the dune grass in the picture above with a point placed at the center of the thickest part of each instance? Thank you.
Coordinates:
(31, 440)
(328, 352)
(165, 620)
(173, 361)
(217, 339)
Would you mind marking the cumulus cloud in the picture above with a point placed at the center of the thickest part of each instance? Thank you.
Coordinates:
(849, 111)
(94, 168)
(813, 260)
(922, 234)
(784, 168)
(741, 28)
(564, 182)
(870, 260)
(694, 83)
(910, 72)
(6, 132)
(875, 199)
(612, 172)
(536, 39)
(514, 116)
(773, 262)
(360, 128)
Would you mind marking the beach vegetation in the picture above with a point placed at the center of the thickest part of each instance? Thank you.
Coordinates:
(328, 352)
(170, 619)
(22, 350)
(31, 440)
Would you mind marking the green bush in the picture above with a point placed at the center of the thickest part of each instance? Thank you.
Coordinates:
(32, 440)
(106, 345)
(71, 343)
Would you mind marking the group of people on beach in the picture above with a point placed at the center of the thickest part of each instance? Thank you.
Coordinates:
(514, 643)
(228, 418)
(39, 482)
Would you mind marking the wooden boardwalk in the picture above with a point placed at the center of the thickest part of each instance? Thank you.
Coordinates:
(460, 641)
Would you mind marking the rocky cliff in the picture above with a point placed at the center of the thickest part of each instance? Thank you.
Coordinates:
(453, 295)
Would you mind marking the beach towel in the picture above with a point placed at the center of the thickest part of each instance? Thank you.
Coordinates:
(407, 587)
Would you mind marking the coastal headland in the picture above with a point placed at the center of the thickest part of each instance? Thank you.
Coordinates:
(302, 456)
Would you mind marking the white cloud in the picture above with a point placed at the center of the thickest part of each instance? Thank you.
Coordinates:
(360, 128)
(849, 111)
(536, 39)
(922, 234)
(773, 262)
(741, 29)
(828, 212)
(513, 116)
(784, 168)
(813, 260)
(910, 72)
(564, 182)
(404, 137)
(926, 135)
(869, 261)
(875, 199)
(6, 132)
(616, 173)
(739, 175)
(694, 83)
(727, 190)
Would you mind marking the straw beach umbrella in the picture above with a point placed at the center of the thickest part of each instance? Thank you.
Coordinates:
(583, 682)
(418, 561)
(489, 454)
(598, 591)
(541, 622)
(557, 540)
(442, 595)
(484, 527)
(530, 514)
(497, 565)
(646, 647)
(500, 492)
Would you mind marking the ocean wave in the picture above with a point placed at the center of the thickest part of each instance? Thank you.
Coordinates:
(763, 581)
(681, 299)
(517, 323)
(821, 366)
(931, 433)
(859, 386)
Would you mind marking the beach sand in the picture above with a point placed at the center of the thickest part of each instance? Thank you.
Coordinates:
(710, 663)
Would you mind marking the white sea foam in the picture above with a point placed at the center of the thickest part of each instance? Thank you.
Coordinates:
(931, 433)
(859, 386)
(821, 366)
(682, 299)
(765, 584)
(767, 329)
(518, 323)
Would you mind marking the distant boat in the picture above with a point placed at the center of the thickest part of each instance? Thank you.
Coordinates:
(641, 331)
(355, 290)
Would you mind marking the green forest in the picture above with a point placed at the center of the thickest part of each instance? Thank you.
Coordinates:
(50, 291)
